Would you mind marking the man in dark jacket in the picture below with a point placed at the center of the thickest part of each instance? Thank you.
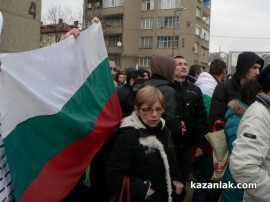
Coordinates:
(248, 67)
(194, 72)
(125, 93)
(163, 68)
(192, 112)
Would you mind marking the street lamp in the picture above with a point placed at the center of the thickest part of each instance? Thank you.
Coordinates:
(179, 9)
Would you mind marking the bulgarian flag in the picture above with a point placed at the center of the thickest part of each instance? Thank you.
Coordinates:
(58, 106)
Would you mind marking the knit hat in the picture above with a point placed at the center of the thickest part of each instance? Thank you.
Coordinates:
(245, 61)
(164, 66)
(1, 22)
(129, 70)
(264, 79)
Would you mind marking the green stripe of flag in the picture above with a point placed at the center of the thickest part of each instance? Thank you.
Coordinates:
(37, 140)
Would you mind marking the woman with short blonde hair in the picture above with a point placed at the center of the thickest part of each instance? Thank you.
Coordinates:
(144, 152)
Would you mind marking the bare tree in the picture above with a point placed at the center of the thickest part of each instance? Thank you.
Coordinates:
(58, 18)
(55, 13)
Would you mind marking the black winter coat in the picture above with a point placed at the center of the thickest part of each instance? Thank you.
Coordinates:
(131, 156)
(192, 111)
(170, 114)
(223, 94)
(227, 90)
(126, 98)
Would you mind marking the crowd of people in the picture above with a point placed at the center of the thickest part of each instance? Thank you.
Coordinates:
(166, 113)
(189, 109)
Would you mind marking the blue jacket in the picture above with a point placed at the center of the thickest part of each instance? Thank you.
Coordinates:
(233, 117)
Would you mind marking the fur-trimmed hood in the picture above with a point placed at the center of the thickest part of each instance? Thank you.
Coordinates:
(238, 106)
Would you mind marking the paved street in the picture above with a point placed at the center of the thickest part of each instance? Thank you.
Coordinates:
(189, 193)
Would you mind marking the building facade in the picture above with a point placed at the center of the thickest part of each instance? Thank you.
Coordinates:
(21, 29)
(136, 30)
(53, 33)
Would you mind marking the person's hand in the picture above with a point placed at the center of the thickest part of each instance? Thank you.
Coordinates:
(199, 152)
(95, 20)
(150, 192)
(184, 128)
(75, 32)
(178, 187)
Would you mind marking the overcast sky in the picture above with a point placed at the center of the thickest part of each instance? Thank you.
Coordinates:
(236, 25)
(76, 6)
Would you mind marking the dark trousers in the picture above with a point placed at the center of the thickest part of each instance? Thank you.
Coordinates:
(184, 161)
(202, 171)
(210, 195)
(183, 156)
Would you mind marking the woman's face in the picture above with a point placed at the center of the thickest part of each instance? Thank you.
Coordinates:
(150, 114)
(121, 78)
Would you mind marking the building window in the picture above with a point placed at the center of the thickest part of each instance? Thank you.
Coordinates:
(168, 22)
(147, 5)
(167, 42)
(206, 20)
(147, 23)
(167, 4)
(144, 62)
(146, 42)
(198, 12)
(111, 41)
(114, 21)
(205, 35)
(115, 57)
(195, 47)
(205, 52)
(51, 38)
(93, 5)
(112, 3)
(207, 3)
(197, 30)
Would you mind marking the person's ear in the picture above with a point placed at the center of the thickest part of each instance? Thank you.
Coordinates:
(136, 109)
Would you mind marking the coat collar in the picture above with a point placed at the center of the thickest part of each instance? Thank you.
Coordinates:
(151, 142)
(264, 99)
(134, 121)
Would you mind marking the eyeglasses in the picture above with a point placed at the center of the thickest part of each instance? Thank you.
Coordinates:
(150, 110)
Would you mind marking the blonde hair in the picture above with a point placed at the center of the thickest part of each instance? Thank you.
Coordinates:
(149, 95)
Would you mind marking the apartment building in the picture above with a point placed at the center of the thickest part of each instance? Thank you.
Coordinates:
(136, 30)
(21, 25)
(54, 32)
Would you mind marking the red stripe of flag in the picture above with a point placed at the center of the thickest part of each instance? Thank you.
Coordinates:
(60, 174)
